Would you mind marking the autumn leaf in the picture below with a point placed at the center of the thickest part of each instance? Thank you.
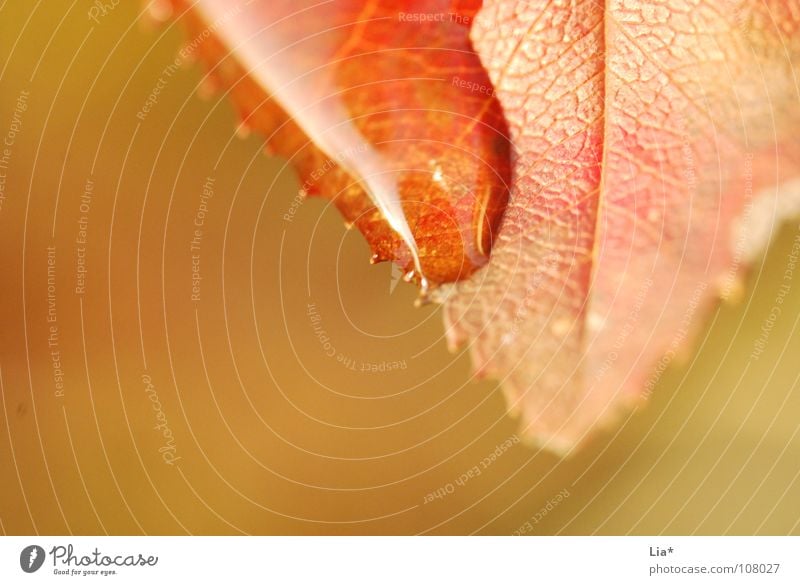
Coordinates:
(369, 107)
(643, 129)
(650, 148)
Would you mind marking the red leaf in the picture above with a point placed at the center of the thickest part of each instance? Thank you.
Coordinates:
(366, 102)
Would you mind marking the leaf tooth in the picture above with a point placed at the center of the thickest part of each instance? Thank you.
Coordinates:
(313, 190)
(512, 402)
(454, 336)
(423, 298)
(480, 372)
(243, 129)
(731, 291)
(207, 87)
(378, 256)
(159, 11)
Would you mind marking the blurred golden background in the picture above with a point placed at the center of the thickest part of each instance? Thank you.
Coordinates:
(139, 398)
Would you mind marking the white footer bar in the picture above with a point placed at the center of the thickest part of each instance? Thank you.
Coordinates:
(400, 560)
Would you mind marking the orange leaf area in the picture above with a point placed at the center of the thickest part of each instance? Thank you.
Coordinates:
(383, 107)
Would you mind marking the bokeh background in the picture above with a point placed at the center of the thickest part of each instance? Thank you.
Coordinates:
(269, 428)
